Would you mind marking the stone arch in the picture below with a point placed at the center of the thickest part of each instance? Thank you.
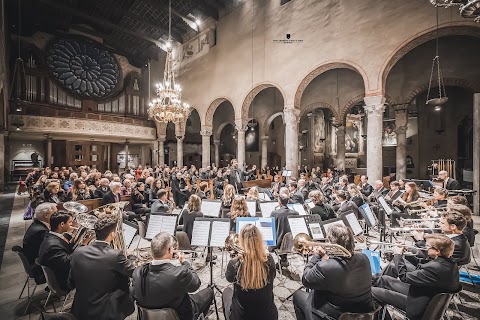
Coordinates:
(323, 68)
(451, 82)
(356, 100)
(450, 29)
(268, 121)
(247, 101)
(208, 120)
(216, 135)
(318, 105)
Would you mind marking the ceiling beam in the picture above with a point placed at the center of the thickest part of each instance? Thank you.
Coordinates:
(207, 10)
(103, 22)
(156, 4)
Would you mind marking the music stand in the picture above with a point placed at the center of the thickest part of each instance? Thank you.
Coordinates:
(286, 173)
(314, 222)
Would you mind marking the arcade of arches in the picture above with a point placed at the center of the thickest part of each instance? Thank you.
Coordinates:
(346, 92)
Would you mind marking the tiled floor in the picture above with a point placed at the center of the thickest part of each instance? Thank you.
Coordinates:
(12, 278)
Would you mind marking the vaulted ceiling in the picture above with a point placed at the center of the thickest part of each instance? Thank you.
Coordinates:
(133, 28)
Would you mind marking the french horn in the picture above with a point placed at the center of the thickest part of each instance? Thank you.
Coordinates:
(232, 245)
(303, 243)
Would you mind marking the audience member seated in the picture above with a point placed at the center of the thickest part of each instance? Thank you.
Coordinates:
(56, 249)
(324, 210)
(53, 193)
(79, 191)
(138, 201)
(252, 273)
(113, 195)
(414, 289)
(337, 284)
(102, 189)
(160, 284)
(34, 236)
(100, 275)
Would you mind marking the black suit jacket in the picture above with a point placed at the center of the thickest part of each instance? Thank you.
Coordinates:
(434, 277)
(108, 198)
(31, 246)
(452, 184)
(281, 220)
(297, 197)
(347, 206)
(165, 286)
(325, 211)
(393, 196)
(344, 283)
(100, 192)
(159, 207)
(367, 189)
(55, 253)
(461, 254)
(100, 275)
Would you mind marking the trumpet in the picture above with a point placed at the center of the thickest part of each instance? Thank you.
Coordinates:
(415, 249)
(303, 243)
(232, 245)
(410, 229)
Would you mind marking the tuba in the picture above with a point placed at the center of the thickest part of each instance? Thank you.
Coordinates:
(232, 245)
(303, 244)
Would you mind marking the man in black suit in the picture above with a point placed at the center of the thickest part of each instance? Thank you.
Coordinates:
(281, 223)
(295, 195)
(237, 176)
(367, 188)
(56, 249)
(449, 183)
(160, 205)
(100, 275)
(303, 188)
(338, 284)
(160, 284)
(346, 205)
(276, 185)
(102, 189)
(113, 195)
(394, 192)
(379, 190)
(413, 290)
(34, 236)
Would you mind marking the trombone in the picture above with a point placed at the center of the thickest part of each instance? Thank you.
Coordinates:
(415, 249)
(303, 244)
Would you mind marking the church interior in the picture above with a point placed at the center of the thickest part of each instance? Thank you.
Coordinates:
(288, 90)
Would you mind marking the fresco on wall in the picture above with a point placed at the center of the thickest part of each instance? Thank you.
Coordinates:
(389, 137)
(352, 134)
(318, 132)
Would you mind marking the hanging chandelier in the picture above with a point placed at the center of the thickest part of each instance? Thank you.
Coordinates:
(168, 106)
(468, 8)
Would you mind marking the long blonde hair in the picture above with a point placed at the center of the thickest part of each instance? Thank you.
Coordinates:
(253, 272)
(239, 208)
(252, 194)
(228, 194)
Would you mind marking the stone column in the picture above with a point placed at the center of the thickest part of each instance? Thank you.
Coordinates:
(216, 143)
(127, 142)
(161, 149)
(476, 153)
(49, 151)
(109, 155)
(3, 181)
(264, 151)
(291, 117)
(241, 129)
(401, 122)
(374, 109)
(206, 133)
(340, 134)
(310, 141)
(179, 152)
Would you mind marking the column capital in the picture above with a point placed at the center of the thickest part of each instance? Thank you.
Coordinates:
(264, 138)
(291, 116)
(241, 128)
(216, 142)
(206, 133)
(338, 124)
(374, 101)
(179, 138)
(401, 130)
(127, 141)
(161, 137)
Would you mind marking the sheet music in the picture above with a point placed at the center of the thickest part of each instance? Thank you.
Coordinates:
(252, 207)
(297, 225)
(160, 223)
(265, 225)
(316, 230)
(243, 223)
(354, 224)
(263, 196)
(140, 243)
(385, 206)
(211, 208)
(201, 233)
(267, 208)
(369, 214)
(310, 204)
(129, 233)
(297, 207)
(220, 232)
(327, 226)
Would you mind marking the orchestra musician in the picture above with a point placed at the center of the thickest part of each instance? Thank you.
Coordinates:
(218, 183)
(100, 275)
(324, 210)
(152, 193)
(34, 236)
(394, 192)
(378, 191)
(227, 199)
(338, 284)
(414, 289)
(203, 192)
(303, 188)
(410, 195)
(346, 205)
(295, 195)
(448, 183)
(440, 197)
(188, 215)
(179, 190)
(252, 273)
(160, 284)
(365, 187)
(468, 231)
(281, 223)
(355, 194)
(276, 185)
(138, 201)
(55, 250)
(160, 205)
(239, 209)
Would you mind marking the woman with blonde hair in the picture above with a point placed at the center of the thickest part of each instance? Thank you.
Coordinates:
(227, 199)
(189, 213)
(239, 209)
(79, 191)
(254, 195)
(252, 273)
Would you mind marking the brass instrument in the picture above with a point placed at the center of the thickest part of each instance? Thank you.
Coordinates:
(75, 207)
(232, 245)
(414, 249)
(303, 243)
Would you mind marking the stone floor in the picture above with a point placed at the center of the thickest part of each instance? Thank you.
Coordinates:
(12, 278)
